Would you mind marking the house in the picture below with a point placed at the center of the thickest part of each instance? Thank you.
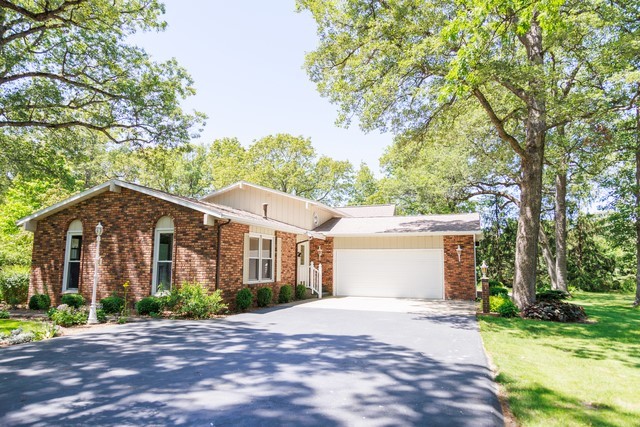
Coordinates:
(246, 235)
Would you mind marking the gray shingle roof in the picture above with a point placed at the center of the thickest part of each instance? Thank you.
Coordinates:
(369, 211)
(468, 223)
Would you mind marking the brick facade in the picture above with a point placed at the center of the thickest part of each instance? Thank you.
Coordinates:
(459, 276)
(326, 260)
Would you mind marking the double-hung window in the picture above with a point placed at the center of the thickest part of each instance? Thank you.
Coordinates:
(163, 255)
(260, 258)
(73, 258)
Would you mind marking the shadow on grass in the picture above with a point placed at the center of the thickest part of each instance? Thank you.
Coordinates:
(234, 373)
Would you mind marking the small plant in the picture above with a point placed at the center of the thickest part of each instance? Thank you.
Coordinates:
(301, 291)
(125, 305)
(68, 316)
(285, 294)
(508, 309)
(244, 299)
(4, 314)
(17, 336)
(73, 300)
(551, 295)
(265, 296)
(148, 305)
(112, 304)
(194, 301)
(122, 320)
(101, 315)
(498, 291)
(40, 302)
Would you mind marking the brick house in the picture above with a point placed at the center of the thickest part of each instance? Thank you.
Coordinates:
(246, 235)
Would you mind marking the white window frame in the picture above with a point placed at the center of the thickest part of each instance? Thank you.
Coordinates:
(156, 255)
(67, 256)
(260, 238)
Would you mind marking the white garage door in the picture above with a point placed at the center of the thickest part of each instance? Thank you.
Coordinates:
(401, 273)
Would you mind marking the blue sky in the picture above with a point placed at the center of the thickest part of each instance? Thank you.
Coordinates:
(246, 59)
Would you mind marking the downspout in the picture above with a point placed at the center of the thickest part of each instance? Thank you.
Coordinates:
(297, 262)
(219, 244)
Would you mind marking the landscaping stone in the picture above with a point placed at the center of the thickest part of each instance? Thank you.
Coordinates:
(556, 311)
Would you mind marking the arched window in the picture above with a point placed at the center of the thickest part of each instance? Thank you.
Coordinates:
(72, 257)
(162, 255)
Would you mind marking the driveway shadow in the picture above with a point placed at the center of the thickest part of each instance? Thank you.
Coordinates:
(219, 373)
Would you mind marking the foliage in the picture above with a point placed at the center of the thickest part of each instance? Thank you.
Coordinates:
(285, 294)
(244, 299)
(301, 292)
(194, 301)
(503, 306)
(112, 305)
(17, 336)
(556, 311)
(264, 296)
(14, 285)
(4, 314)
(551, 295)
(69, 316)
(549, 369)
(73, 300)
(40, 302)
(149, 305)
(498, 291)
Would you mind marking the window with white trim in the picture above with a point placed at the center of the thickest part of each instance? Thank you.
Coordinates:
(260, 258)
(163, 255)
(72, 258)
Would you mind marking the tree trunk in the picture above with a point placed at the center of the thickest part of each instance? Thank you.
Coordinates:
(524, 284)
(548, 258)
(561, 230)
(637, 196)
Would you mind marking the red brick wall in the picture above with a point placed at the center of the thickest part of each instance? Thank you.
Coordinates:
(459, 276)
(129, 219)
(326, 261)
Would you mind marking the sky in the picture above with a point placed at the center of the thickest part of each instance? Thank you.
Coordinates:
(246, 57)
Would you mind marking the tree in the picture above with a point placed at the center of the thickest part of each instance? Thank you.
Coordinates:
(365, 190)
(529, 65)
(66, 65)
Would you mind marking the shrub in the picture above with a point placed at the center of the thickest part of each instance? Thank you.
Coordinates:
(14, 285)
(73, 300)
(147, 305)
(551, 295)
(4, 314)
(285, 294)
(265, 296)
(69, 316)
(503, 306)
(112, 304)
(493, 283)
(498, 291)
(244, 299)
(194, 301)
(301, 292)
(40, 302)
(556, 311)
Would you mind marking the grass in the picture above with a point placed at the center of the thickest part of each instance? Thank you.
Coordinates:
(559, 374)
(38, 328)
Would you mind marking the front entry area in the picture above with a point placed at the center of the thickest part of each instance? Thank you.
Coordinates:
(398, 273)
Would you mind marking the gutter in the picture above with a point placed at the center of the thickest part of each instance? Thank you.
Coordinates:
(218, 245)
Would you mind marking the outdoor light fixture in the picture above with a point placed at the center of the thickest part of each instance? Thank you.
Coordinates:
(484, 267)
(93, 315)
(319, 252)
(459, 251)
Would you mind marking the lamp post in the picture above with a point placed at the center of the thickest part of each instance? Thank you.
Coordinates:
(93, 315)
(485, 288)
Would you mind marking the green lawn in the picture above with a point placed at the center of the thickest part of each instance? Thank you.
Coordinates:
(571, 374)
(7, 325)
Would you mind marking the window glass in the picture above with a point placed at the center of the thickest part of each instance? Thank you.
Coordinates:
(260, 259)
(76, 247)
(266, 269)
(166, 245)
(254, 269)
(303, 255)
(254, 245)
(164, 275)
(74, 275)
(266, 248)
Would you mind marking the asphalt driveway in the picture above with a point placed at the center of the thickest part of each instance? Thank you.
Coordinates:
(337, 361)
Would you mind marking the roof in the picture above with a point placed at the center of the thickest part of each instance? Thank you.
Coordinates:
(217, 211)
(369, 210)
(241, 184)
(468, 223)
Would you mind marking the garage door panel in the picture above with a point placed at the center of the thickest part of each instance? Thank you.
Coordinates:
(408, 273)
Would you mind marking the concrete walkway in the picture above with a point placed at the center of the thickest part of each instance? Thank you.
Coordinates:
(337, 361)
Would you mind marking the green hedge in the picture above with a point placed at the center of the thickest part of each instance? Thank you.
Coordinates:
(285, 294)
(265, 296)
(73, 300)
(14, 285)
(244, 299)
(40, 302)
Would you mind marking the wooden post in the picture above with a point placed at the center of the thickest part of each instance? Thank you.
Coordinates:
(485, 295)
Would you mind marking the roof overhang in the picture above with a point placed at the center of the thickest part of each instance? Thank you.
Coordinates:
(478, 234)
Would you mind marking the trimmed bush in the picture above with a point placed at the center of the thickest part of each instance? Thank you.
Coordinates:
(68, 316)
(112, 305)
(194, 301)
(147, 305)
(14, 285)
(73, 300)
(285, 294)
(301, 292)
(244, 299)
(4, 314)
(40, 302)
(265, 296)
(556, 311)
(503, 306)
(551, 295)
